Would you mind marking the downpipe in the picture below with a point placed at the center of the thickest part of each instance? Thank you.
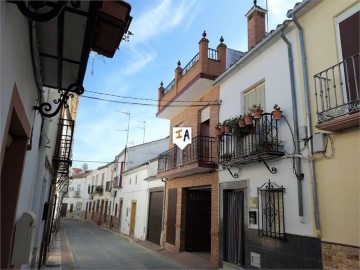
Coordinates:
(309, 122)
(297, 160)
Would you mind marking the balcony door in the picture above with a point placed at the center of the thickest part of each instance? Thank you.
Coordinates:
(348, 37)
(204, 149)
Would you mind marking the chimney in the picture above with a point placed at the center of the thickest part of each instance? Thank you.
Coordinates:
(256, 25)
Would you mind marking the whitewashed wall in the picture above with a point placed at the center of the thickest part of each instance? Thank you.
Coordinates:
(270, 65)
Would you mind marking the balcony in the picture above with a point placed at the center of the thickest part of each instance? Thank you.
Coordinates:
(192, 81)
(62, 154)
(197, 157)
(257, 140)
(337, 95)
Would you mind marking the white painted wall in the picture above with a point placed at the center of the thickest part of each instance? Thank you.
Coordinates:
(270, 65)
(16, 68)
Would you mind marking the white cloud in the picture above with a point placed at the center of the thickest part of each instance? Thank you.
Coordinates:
(163, 17)
(277, 10)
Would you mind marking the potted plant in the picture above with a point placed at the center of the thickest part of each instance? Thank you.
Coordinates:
(248, 118)
(99, 189)
(257, 111)
(227, 126)
(241, 121)
(277, 112)
(218, 128)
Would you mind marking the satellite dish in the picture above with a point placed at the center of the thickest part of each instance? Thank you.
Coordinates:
(85, 167)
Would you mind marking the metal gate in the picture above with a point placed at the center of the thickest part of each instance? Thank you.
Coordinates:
(155, 216)
(234, 249)
(198, 220)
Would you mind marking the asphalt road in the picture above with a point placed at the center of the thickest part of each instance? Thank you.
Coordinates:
(95, 248)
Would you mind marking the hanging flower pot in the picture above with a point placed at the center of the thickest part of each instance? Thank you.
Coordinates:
(228, 129)
(277, 112)
(241, 122)
(249, 119)
(257, 114)
(257, 111)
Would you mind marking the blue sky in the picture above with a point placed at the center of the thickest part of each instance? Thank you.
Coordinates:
(165, 31)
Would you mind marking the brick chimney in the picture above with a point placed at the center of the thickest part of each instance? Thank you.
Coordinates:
(256, 25)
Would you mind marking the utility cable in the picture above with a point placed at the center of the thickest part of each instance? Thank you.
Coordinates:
(148, 99)
(147, 104)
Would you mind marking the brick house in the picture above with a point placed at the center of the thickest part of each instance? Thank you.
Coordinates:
(191, 210)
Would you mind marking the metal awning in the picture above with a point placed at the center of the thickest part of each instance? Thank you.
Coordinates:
(64, 43)
(62, 33)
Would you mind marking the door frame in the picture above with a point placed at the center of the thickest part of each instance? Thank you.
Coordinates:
(238, 185)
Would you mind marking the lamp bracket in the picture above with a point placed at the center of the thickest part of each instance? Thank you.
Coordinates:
(234, 175)
(45, 108)
(273, 170)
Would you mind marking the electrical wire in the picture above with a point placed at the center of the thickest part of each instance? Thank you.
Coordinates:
(147, 104)
(148, 99)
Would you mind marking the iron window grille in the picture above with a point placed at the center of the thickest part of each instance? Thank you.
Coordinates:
(271, 210)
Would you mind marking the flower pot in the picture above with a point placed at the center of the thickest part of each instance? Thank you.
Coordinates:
(222, 129)
(228, 129)
(248, 120)
(241, 122)
(276, 114)
(257, 114)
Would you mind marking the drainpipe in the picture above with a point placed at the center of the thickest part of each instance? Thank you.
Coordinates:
(162, 240)
(297, 159)
(308, 114)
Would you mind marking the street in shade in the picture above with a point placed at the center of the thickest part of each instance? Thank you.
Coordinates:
(93, 247)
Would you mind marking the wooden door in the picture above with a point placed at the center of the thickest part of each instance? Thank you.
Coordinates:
(132, 218)
(155, 216)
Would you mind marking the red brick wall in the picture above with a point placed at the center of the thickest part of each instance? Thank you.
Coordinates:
(208, 179)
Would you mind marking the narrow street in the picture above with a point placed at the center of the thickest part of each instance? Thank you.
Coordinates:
(91, 247)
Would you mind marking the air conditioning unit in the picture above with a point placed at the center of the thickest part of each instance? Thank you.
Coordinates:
(113, 193)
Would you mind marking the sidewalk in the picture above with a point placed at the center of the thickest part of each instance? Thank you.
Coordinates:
(60, 255)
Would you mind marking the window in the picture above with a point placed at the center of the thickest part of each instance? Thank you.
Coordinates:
(115, 213)
(97, 205)
(271, 210)
(89, 189)
(78, 188)
(135, 179)
(71, 207)
(256, 96)
(107, 186)
(89, 206)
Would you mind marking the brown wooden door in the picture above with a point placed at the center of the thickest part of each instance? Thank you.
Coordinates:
(132, 218)
(155, 216)
(171, 216)
(204, 142)
(198, 221)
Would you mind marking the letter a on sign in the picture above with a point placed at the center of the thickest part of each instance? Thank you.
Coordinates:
(181, 136)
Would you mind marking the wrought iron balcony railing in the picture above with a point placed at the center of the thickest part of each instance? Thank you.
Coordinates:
(62, 154)
(200, 151)
(258, 139)
(337, 90)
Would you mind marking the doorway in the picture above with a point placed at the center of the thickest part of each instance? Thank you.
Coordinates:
(234, 240)
(132, 218)
(198, 220)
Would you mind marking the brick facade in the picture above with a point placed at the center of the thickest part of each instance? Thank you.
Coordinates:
(256, 26)
(336, 256)
(181, 184)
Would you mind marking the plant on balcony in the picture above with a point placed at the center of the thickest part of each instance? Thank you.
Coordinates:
(219, 129)
(249, 118)
(277, 112)
(227, 126)
(99, 189)
(241, 121)
(256, 111)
